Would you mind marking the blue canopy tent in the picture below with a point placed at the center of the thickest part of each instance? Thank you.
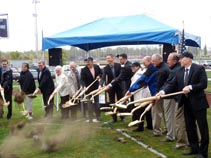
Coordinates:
(125, 30)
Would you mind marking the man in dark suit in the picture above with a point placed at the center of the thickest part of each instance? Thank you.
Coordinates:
(46, 87)
(125, 73)
(6, 81)
(89, 74)
(192, 80)
(124, 77)
(110, 72)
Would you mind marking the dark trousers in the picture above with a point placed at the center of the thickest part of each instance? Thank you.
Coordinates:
(64, 111)
(115, 93)
(8, 97)
(48, 108)
(84, 108)
(1, 107)
(147, 116)
(94, 107)
(191, 118)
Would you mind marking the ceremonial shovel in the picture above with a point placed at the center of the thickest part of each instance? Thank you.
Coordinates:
(133, 110)
(2, 94)
(150, 105)
(120, 103)
(140, 119)
(154, 98)
(71, 102)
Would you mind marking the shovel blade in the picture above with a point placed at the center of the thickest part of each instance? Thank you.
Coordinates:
(121, 106)
(110, 113)
(124, 114)
(134, 123)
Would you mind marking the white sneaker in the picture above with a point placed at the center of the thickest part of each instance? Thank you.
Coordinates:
(30, 117)
(89, 121)
(95, 120)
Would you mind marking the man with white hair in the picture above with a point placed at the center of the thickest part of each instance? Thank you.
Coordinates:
(74, 86)
(62, 87)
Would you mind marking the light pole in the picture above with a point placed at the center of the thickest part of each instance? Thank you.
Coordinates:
(36, 30)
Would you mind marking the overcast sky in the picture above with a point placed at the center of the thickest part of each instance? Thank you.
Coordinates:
(56, 16)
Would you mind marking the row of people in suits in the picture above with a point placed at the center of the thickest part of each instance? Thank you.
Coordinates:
(66, 85)
(193, 101)
(117, 79)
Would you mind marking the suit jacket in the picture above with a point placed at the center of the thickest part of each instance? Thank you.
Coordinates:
(6, 81)
(46, 84)
(72, 81)
(27, 82)
(173, 71)
(198, 79)
(87, 78)
(162, 74)
(125, 75)
(108, 77)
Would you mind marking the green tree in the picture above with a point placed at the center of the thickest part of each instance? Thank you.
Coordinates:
(15, 55)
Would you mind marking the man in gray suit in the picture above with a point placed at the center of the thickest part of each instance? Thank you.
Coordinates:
(74, 81)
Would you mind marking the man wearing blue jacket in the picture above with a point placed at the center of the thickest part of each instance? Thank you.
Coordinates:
(148, 78)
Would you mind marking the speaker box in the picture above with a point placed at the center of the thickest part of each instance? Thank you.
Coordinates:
(167, 49)
(55, 56)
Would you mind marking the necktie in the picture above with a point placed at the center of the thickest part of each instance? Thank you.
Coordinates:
(40, 74)
(112, 69)
(186, 77)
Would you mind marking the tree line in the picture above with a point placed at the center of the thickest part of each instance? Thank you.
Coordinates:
(78, 55)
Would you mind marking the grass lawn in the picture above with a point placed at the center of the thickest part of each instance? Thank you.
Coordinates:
(208, 74)
(58, 138)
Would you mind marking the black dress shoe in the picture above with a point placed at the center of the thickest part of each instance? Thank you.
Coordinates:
(8, 118)
(200, 156)
(138, 130)
(113, 121)
(123, 120)
(190, 153)
(150, 128)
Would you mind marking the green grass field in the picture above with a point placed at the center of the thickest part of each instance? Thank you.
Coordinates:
(208, 74)
(59, 138)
